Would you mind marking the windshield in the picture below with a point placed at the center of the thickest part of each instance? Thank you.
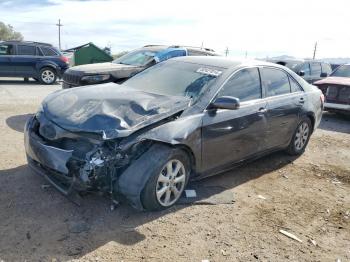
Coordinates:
(136, 58)
(175, 78)
(342, 71)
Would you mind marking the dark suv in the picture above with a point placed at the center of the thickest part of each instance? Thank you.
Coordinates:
(40, 61)
(310, 70)
(128, 65)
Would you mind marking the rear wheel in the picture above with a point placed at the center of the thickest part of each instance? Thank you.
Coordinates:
(48, 76)
(301, 137)
(166, 185)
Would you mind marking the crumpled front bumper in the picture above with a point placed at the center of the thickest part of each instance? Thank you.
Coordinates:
(51, 163)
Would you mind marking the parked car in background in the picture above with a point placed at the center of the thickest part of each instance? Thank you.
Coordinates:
(185, 118)
(310, 70)
(41, 61)
(336, 89)
(128, 65)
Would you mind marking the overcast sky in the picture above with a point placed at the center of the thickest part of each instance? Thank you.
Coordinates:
(259, 27)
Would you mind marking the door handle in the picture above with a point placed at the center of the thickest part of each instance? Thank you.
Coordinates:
(262, 110)
(301, 100)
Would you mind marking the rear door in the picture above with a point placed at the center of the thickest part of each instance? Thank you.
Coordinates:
(25, 60)
(7, 67)
(229, 136)
(285, 100)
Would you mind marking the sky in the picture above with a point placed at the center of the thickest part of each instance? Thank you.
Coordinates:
(252, 28)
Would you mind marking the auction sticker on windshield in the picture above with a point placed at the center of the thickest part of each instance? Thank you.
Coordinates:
(209, 71)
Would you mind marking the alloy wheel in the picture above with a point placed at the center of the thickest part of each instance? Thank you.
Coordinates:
(301, 136)
(171, 182)
(48, 76)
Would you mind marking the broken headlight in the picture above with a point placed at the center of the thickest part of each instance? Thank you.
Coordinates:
(95, 78)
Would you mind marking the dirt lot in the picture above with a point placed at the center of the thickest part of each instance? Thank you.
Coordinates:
(308, 197)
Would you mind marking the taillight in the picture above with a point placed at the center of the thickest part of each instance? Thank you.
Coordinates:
(64, 59)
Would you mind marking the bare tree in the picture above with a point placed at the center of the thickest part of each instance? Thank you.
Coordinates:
(8, 33)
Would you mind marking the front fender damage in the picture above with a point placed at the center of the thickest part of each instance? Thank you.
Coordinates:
(118, 167)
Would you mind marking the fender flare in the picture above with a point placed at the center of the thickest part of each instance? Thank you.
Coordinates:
(133, 180)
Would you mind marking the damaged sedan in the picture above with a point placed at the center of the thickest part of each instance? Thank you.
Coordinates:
(185, 118)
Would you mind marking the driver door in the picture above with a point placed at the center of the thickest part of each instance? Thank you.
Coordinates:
(229, 136)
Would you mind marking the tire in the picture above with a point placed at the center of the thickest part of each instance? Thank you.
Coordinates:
(47, 76)
(300, 137)
(165, 183)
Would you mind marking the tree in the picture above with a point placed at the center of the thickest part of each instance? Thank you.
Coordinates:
(8, 33)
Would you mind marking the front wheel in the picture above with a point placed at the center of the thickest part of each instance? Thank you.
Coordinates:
(166, 185)
(300, 138)
(48, 76)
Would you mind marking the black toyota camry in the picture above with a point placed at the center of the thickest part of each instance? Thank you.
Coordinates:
(182, 119)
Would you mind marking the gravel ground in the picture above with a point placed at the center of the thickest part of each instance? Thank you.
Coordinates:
(306, 196)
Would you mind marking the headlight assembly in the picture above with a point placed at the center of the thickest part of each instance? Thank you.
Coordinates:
(95, 78)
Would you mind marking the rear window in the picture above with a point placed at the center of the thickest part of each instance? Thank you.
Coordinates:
(48, 51)
(25, 50)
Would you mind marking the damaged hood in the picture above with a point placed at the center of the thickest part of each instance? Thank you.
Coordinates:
(109, 109)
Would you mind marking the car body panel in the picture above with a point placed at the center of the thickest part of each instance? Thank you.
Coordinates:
(29, 65)
(119, 72)
(110, 110)
(107, 152)
(336, 90)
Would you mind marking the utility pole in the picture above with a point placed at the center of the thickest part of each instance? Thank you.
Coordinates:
(246, 54)
(59, 33)
(315, 50)
(226, 51)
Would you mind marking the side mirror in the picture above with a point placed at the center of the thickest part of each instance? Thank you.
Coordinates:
(301, 73)
(225, 102)
(323, 74)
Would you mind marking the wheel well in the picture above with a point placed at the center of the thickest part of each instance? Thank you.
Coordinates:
(188, 151)
(190, 154)
(50, 67)
(312, 119)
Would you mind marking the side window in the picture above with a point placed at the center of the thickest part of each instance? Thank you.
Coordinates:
(245, 85)
(294, 87)
(38, 52)
(25, 50)
(6, 49)
(315, 69)
(306, 68)
(48, 51)
(275, 81)
(326, 68)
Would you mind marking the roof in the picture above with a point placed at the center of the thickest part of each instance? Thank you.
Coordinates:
(220, 61)
(26, 42)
